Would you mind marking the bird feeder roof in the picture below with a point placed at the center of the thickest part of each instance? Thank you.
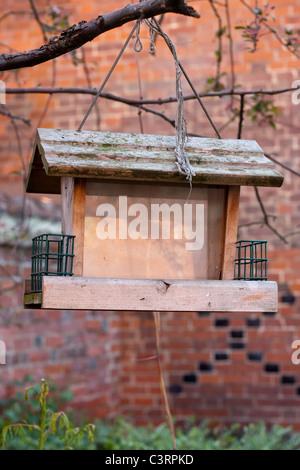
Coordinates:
(151, 158)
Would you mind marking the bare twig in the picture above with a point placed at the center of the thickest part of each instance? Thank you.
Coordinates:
(219, 53)
(157, 113)
(262, 223)
(45, 110)
(18, 140)
(5, 112)
(229, 121)
(282, 164)
(38, 20)
(292, 234)
(15, 12)
(20, 152)
(241, 114)
(156, 316)
(229, 33)
(267, 217)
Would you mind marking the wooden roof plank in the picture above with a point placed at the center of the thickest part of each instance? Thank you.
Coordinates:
(120, 156)
(118, 138)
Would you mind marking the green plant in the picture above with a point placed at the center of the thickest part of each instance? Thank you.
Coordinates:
(122, 435)
(38, 425)
(50, 423)
(263, 110)
(259, 26)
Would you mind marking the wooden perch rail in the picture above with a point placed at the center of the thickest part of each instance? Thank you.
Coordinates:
(84, 31)
(82, 293)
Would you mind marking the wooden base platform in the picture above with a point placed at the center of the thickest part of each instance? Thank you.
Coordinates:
(82, 293)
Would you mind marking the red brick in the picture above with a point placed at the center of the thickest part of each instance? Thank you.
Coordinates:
(54, 340)
(143, 401)
(210, 379)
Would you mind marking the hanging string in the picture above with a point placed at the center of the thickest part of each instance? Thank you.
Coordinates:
(152, 46)
(163, 34)
(136, 26)
(138, 46)
(182, 162)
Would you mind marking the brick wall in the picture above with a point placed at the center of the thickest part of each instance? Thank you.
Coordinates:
(226, 367)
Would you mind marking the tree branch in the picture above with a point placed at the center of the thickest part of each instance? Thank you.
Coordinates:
(160, 101)
(84, 31)
(141, 103)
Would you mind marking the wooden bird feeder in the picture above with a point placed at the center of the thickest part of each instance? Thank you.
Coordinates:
(143, 238)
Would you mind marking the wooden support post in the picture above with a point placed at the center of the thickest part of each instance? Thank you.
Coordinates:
(230, 236)
(67, 198)
(78, 224)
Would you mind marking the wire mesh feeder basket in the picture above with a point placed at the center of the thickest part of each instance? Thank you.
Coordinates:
(52, 255)
(251, 260)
